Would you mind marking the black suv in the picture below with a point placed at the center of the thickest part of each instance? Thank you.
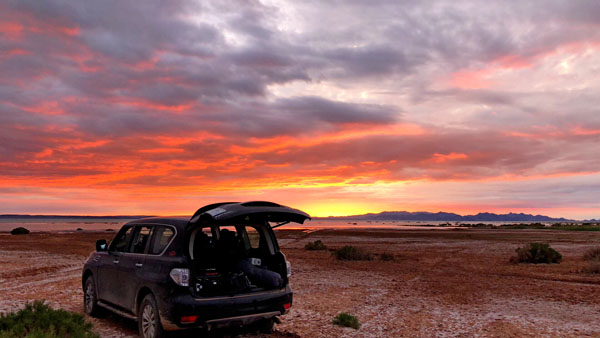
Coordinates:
(221, 267)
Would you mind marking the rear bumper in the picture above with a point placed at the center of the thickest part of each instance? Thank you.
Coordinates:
(240, 320)
(213, 312)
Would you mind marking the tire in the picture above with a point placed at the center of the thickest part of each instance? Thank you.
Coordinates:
(266, 325)
(90, 298)
(149, 325)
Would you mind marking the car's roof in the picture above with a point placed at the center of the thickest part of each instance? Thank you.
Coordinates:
(178, 222)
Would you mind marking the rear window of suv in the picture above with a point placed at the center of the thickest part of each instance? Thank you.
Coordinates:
(162, 237)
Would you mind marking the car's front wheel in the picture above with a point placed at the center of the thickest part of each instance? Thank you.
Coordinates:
(149, 319)
(90, 299)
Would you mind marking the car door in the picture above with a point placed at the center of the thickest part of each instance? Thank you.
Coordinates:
(156, 266)
(108, 267)
(131, 265)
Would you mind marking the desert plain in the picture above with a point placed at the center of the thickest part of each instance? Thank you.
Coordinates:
(441, 282)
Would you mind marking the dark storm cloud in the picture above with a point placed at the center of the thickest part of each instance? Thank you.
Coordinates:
(367, 61)
(126, 30)
(126, 72)
(302, 115)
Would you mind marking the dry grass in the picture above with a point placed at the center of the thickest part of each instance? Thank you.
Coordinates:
(592, 255)
(352, 253)
(593, 268)
(316, 245)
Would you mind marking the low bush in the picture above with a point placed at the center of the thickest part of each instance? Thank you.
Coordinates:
(386, 257)
(19, 231)
(536, 253)
(351, 253)
(316, 245)
(592, 255)
(576, 226)
(38, 319)
(346, 320)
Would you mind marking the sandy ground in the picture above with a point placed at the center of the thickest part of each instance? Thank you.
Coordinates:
(442, 283)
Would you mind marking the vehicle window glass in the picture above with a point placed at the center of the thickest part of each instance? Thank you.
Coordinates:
(207, 236)
(253, 237)
(121, 242)
(228, 238)
(140, 239)
(162, 237)
(207, 231)
(227, 231)
(203, 244)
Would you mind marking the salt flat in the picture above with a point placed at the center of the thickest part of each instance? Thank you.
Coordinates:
(441, 283)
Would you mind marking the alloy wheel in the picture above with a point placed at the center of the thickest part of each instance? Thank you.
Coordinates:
(148, 321)
(89, 297)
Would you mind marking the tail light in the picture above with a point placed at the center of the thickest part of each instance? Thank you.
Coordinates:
(288, 267)
(180, 276)
(188, 319)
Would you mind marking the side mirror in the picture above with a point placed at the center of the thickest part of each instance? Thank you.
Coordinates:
(101, 245)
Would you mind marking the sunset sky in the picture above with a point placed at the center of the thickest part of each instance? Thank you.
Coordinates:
(336, 108)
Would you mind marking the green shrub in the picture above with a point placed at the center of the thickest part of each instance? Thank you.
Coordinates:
(351, 253)
(19, 231)
(38, 319)
(536, 253)
(316, 245)
(347, 320)
(386, 257)
(592, 255)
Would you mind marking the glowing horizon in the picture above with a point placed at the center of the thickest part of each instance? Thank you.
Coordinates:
(160, 108)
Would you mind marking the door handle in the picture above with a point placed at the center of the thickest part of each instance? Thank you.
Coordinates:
(138, 265)
(116, 261)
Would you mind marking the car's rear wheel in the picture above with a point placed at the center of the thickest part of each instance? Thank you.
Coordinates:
(90, 299)
(149, 319)
(266, 325)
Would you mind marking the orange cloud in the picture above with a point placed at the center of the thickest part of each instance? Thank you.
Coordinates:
(441, 158)
(11, 30)
(138, 103)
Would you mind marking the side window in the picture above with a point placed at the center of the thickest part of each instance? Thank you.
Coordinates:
(253, 237)
(121, 242)
(140, 239)
(257, 239)
(162, 237)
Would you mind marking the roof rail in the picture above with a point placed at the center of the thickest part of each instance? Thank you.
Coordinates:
(260, 204)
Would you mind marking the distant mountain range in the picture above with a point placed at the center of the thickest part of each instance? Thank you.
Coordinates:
(382, 216)
(449, 217)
